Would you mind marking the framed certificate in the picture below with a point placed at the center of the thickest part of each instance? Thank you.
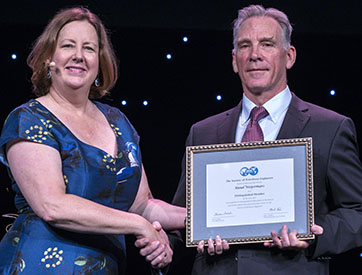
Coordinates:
(244, 191)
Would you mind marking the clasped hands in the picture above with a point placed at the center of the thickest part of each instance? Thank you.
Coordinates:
(158, 251)
(285, 241)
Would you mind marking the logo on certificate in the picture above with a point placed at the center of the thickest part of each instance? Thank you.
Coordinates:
(249, 171)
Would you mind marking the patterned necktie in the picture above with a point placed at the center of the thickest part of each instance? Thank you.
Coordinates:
(253, 131)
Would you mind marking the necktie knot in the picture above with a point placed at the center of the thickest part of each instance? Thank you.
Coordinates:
(257, 113)
(253, 131)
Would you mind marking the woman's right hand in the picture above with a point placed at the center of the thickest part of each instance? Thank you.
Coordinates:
(154, 245)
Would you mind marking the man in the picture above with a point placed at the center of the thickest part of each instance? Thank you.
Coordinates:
(262, 55)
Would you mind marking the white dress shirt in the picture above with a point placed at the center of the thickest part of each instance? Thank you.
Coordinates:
(277, 108)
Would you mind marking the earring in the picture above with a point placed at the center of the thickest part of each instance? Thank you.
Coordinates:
(96, 82)
(49, 74)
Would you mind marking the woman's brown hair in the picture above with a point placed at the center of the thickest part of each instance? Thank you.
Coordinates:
(44, 47)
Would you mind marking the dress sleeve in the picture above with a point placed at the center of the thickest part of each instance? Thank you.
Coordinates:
(24, 123)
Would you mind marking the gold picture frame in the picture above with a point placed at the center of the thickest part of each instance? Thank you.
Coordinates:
(207, 181)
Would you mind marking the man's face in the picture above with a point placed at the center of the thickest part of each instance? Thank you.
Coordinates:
(259, 57)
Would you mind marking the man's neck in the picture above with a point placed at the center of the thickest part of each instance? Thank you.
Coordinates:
(260, 98)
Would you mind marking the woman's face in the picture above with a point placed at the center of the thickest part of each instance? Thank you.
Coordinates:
(76, 57)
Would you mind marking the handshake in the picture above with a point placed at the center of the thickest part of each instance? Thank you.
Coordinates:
(156, 248)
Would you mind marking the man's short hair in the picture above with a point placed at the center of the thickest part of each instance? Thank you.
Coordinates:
(258, 10)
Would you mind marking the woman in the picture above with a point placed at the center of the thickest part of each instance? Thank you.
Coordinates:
(76, 163)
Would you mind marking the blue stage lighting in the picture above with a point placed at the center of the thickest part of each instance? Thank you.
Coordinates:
(185, 39)
(145, 102)
(332, 92)
(14, 56)
(124, 102)
(168, 56)
(218, 97)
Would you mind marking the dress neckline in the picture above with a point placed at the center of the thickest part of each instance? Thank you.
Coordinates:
(100, 108)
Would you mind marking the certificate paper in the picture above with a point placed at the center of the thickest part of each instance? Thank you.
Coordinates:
(251, 192)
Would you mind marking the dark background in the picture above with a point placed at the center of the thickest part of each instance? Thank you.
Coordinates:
(182, 90)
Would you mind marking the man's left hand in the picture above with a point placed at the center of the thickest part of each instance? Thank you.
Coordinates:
(290, 240)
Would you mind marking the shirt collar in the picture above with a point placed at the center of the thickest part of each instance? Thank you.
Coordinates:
(275, 106)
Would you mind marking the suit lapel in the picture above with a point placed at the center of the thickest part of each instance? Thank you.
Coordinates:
(227, 127)
(295, 120)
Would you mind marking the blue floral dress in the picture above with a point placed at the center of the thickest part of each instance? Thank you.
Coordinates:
(32, 246)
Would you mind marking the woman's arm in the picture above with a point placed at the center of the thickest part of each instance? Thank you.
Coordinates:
(170, 216)
(37, 169)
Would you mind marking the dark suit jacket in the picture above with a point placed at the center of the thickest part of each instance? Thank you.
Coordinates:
(337, 189)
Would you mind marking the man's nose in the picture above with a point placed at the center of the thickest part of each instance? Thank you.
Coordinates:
(254, 54)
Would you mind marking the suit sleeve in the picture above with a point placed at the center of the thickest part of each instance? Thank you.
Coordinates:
(343, 223)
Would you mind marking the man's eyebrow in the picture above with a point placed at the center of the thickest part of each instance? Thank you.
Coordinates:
(270, 39)
(244, 40)
(262, 39)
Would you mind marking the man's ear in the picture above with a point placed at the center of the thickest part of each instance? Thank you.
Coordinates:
(291, 57)
(235, 67)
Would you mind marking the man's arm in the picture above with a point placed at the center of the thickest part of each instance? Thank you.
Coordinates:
(343, 225)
